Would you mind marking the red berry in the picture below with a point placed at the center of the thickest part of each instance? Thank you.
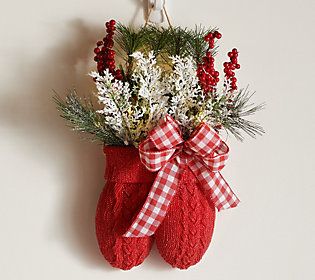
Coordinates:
(112, 22)
(217, 35)
(110, 56)
(226, 65)
(112, 52)
(205, 59)
(108, 37)
(110, 44)
(237, 66)
(202, 78)
(97, 50)
(234, 60)
(112, 28)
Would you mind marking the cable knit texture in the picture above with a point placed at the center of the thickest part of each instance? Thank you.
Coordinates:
(186, 232)
(182, 238)
(127, 186)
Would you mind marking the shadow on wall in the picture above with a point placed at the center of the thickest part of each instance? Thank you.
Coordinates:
(42, 134)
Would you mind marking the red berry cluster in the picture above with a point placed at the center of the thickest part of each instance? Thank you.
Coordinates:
(211, 36)
(229, 68)
(105, 55)
(208, 76)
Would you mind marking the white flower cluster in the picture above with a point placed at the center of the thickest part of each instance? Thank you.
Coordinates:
(115, 96)
(186, 96)
(133, 110)
(148, 90)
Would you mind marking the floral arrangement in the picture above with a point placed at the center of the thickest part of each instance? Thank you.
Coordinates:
(161, 105)
(162, 71)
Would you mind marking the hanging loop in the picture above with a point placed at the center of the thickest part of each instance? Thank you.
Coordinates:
(155, 9)
(156, 13)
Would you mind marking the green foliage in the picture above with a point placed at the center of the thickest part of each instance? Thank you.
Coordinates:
(240, 108)
(130, 40)
(82, 117)
(157, 39)
(165, 42)
(178, 42)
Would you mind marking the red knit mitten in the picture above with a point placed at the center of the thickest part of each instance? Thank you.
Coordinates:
(127, 186)
(186, 232)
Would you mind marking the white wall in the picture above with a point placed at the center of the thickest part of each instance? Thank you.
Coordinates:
(50, 179)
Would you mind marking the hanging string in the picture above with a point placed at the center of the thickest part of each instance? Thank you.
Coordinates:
(148, 16)
(167, 17)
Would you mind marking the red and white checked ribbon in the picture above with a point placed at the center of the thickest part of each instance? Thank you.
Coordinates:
(165, 151)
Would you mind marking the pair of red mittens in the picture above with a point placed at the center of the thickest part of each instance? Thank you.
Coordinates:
(185, 233)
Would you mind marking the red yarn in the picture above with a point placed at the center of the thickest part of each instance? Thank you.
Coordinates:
(182, 238)
(186, 231)
(127, 186)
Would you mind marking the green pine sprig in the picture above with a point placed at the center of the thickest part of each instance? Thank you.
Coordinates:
(82, 117)
(235, 121)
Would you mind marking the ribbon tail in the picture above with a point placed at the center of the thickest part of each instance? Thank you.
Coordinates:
(222, 195)
(156, 205)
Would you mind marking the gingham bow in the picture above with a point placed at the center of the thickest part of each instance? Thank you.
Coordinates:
(165, 151)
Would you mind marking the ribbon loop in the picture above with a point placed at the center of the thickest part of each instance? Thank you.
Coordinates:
(165, 151)
(166, 135)
(204, 140)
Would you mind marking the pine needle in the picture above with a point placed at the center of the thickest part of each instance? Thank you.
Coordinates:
(82, 117)
(235, 121)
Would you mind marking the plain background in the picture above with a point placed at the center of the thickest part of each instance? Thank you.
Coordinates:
(50, 179)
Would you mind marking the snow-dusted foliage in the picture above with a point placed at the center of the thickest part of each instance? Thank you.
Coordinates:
(186, 97)
(133, 110)
(115, 96)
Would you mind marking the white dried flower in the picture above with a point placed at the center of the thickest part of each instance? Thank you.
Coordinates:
(115, 96)
(186, 96)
